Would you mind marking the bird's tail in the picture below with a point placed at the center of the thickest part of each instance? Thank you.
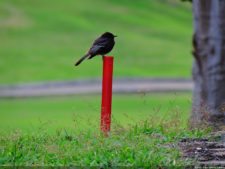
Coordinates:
(81, 59)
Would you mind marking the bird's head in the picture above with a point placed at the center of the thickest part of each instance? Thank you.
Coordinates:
(108, 35)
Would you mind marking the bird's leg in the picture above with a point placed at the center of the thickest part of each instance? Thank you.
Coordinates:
(102, 57)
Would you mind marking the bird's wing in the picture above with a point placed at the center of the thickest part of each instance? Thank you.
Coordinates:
(95, 48)
(100, 40)
(97, 45)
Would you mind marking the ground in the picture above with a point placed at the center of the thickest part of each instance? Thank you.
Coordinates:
(208, 152)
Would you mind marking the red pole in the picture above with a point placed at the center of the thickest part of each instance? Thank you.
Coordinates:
(106, 94)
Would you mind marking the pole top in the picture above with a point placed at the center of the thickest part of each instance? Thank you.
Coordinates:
(109, 56)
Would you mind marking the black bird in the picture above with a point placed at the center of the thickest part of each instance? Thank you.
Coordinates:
(101, 46)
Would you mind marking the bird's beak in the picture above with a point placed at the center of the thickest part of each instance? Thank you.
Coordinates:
(115, 36)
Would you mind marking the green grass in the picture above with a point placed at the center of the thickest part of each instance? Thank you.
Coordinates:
(40, 40)
(79, 113)
(145, 145)
(64, 131)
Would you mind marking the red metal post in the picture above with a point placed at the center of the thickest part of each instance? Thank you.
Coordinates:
(106, 94)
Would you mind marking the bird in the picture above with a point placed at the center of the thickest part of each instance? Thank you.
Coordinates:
(101, 46)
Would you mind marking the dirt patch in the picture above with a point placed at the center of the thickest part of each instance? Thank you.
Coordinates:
(205, 151)
(14, 17)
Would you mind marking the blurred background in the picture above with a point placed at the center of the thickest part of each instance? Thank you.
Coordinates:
(41, 40)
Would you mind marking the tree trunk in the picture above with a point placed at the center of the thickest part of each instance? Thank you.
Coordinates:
(209, 62)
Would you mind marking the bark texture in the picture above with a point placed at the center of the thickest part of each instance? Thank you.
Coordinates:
(209, 62)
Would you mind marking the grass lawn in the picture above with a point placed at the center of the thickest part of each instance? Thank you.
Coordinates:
(65, 131)
(41, 40)
(79, 113)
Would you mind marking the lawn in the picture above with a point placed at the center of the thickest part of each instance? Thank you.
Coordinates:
(82, 113)
(41, 40)
(146, 129)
